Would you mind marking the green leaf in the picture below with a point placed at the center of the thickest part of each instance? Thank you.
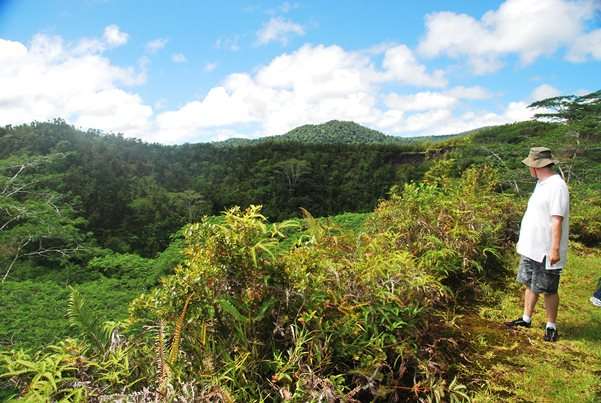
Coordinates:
(229, 307)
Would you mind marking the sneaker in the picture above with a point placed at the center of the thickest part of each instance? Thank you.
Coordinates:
(551, 334)
(518, 322)
(595, 301)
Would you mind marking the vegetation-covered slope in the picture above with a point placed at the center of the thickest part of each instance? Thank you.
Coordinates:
(332, 132)
(134, 195)
(301, 310)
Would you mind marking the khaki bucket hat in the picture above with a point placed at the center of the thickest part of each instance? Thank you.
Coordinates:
(539, 157)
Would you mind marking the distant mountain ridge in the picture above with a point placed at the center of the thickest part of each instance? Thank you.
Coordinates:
(332, 132)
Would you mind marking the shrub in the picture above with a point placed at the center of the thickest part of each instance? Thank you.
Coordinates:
(458, 230)
(585, 222)
(339, 316)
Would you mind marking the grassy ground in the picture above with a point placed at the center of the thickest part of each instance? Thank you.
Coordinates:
(517, 365)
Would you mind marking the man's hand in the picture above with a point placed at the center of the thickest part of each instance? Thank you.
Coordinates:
(554, 256)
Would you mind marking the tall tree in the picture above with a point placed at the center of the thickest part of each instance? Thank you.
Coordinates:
(34, 220)
(572, 109)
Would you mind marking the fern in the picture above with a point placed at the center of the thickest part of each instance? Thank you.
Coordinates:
(177, 335)
(80, 318)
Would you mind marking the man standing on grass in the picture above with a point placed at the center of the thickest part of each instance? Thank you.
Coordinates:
(543, 242)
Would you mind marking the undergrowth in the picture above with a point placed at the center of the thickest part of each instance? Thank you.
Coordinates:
(341, 315)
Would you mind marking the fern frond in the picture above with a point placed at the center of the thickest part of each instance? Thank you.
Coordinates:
(81, 319)
(177, 335)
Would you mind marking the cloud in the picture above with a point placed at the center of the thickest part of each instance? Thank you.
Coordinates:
(314, 83)
(514, 112)
(114, 36)
(446, 121)
(432, 113)
(529, 29)
(319, 83)
(49, 78)
(231, 43)
(544, 91)
(178, 58)
(420, 101)
(279, 30)
(210, 67)
(585, 46)
(156, 44)
(160, 104)
(218, 108)
(400, 65)
(469, 92)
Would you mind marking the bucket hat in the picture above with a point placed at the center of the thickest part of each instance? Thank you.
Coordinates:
(539, 157)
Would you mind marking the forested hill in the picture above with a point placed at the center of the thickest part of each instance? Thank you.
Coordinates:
(333, 132)
(134, 195)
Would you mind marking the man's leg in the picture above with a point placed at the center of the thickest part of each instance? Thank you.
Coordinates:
(524, 277)
(551, 282)
(551, 306)
(530, 298)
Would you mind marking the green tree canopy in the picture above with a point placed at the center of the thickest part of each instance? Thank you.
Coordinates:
(583, 111)
(34, 221)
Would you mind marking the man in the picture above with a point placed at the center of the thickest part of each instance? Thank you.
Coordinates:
(543, 241)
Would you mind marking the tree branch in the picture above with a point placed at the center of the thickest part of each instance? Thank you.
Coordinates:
(515, 184)
(17, 255)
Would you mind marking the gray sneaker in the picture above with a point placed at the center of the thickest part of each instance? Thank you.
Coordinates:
(596, 301)
(551, 334)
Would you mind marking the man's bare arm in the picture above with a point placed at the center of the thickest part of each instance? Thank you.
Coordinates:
(556, 221)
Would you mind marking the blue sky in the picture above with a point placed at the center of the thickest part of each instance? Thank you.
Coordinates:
(190, 71)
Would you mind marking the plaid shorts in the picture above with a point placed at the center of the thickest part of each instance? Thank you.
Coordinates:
(535, 276)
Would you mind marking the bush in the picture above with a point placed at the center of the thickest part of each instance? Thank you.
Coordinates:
(585, 221)
(458, 230)
(341, 315)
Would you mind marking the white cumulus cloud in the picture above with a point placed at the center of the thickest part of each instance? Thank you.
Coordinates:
(420, 101)
(114, 36)
(527, 28)
(544, 91)
(48, 78)
(279, 30)
(400, 65)
(388, 89)
(315, 83)
(319, 83)
(585, 46)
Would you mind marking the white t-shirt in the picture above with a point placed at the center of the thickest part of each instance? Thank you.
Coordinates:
(550, 197)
